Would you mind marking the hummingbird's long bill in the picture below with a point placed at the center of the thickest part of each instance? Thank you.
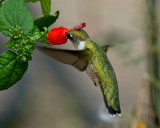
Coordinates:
(91, 58)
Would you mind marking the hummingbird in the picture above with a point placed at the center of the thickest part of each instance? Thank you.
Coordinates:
(90, 57)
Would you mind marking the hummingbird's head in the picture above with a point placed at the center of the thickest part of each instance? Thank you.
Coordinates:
(78, 37)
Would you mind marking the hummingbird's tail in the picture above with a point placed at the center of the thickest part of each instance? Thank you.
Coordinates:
(111, 110)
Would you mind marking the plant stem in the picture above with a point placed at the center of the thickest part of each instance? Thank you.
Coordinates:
(153, 57)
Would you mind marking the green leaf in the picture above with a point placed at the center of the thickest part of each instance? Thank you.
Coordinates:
(1, 2)
(46, 6)
(11, 70)
(31, 1)
(46, 21)
(13, 13)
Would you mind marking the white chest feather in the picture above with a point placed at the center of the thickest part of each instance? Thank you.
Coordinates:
(81, 45)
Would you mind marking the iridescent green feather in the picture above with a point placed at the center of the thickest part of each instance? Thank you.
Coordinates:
(106, 76)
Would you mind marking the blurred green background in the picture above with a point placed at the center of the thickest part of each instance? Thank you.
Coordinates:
(54, 95)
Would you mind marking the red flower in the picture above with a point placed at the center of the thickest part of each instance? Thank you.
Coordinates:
(57, 36)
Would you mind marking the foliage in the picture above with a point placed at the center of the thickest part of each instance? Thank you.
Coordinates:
(45, 5)
(1, 2)
(17, 22)
(46, 21)
(11, 69)
(13, 13)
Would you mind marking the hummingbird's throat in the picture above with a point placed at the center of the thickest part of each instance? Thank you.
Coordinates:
(81, 45)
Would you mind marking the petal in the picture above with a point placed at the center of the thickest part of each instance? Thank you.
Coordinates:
(57, 36)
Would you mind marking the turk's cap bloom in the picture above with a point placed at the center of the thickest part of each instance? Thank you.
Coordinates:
(57, 36)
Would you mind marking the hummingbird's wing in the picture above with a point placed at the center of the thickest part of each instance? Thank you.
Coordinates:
(77, 58)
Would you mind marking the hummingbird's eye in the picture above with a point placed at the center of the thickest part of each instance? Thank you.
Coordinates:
(69, 36)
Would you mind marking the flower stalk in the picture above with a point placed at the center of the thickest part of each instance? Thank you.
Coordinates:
(153, 58)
